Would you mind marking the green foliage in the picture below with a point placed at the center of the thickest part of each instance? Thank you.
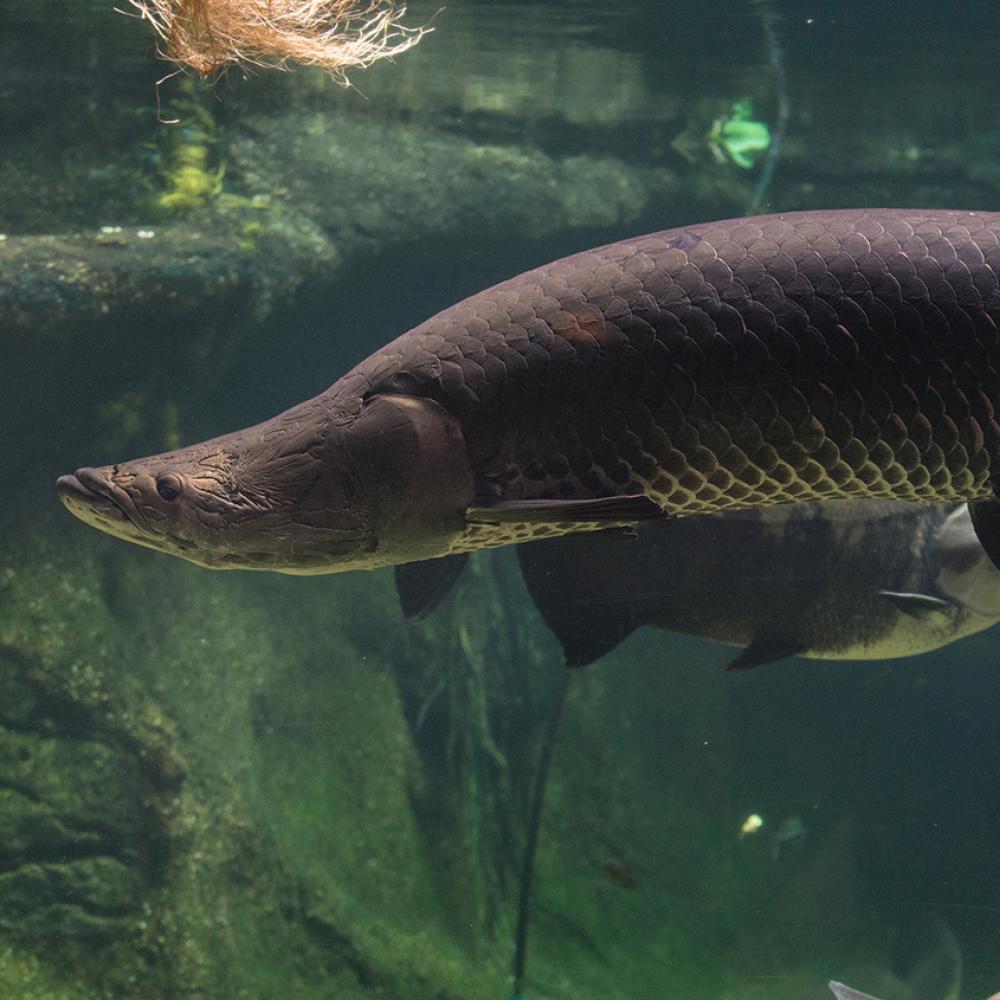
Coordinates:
(187, 155)
(737, 138)
(249, 235)
(190, 181)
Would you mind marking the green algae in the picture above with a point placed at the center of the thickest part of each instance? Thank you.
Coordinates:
(339, 799)
(25, 976)
(275, 834)
(736, 137)
(187, 152)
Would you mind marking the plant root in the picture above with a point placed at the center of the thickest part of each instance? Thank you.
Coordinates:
(208, 36)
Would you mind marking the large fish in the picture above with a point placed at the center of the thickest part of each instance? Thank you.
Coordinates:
(735, 364)
(859, 579)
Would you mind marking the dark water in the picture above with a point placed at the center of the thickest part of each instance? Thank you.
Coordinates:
(235, 785)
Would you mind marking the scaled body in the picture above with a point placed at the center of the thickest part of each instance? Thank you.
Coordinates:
(741, 363)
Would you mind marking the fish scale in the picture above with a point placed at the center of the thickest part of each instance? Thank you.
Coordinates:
(743, 363)
(737, 363)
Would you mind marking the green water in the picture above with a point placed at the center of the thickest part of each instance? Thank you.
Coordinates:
(250, 786)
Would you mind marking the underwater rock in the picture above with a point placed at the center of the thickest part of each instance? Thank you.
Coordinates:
(401, 184)
(409, 184)
(79, 844)
(53, 285)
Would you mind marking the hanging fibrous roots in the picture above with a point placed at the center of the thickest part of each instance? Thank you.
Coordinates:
(337, 35)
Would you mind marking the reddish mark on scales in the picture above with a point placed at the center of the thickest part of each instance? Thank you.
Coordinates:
(580, 326)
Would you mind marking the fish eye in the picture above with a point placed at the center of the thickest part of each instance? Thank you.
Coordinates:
(168, 486)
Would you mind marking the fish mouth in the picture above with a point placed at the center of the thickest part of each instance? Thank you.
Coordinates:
(90, 497)
(84, 493)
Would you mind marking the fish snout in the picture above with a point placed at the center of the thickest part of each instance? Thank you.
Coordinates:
(86, 485)
(71, 487)
(88, 494)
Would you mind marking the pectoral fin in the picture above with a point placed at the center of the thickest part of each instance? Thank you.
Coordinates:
(918, 605)
(628, 509)
(423, 585)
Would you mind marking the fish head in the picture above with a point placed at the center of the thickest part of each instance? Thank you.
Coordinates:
(964, 571)
(314, 490)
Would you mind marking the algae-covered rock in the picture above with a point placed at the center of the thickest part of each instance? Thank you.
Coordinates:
(279, 853)
(241, 785)
(86, 771)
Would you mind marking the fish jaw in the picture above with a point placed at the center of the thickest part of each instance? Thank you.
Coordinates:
(86, 503)
(90, 496)
(304, 493)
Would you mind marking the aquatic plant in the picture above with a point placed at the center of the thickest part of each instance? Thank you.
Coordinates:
(336, 35)
(737, 138)
(190, 176)
(191, 182)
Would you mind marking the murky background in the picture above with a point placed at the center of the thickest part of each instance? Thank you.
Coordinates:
(234, 785)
